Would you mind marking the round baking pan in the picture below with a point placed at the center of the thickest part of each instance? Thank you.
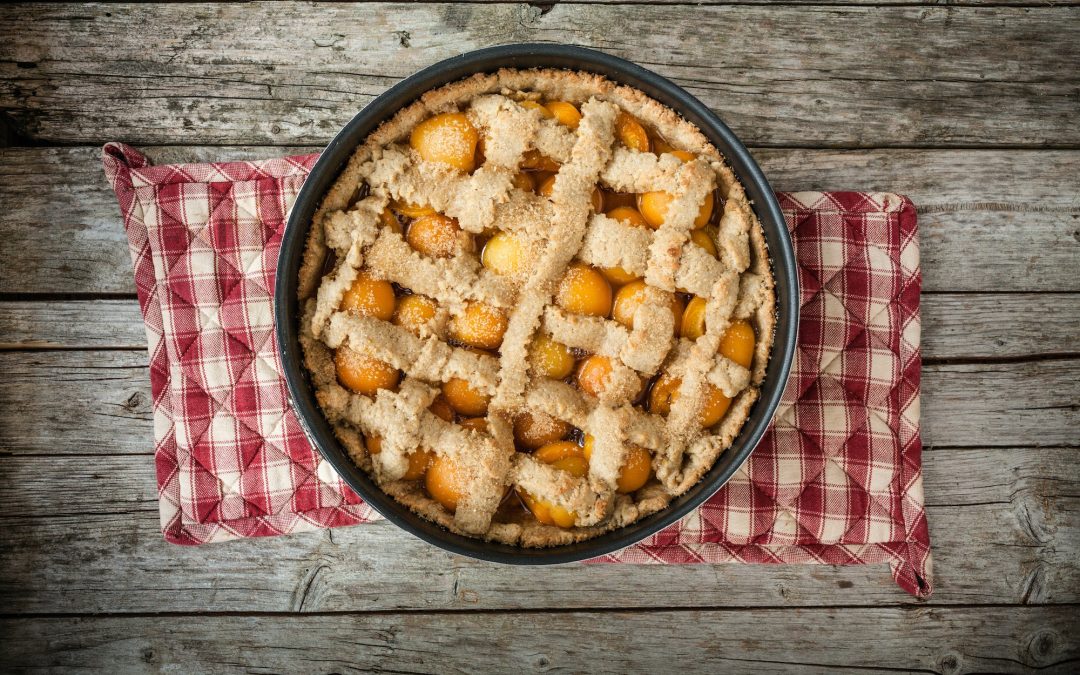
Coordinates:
(330, 164)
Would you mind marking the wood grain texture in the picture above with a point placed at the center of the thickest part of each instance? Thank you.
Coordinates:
(1001, 404)
(72, 324)
(61, 232)
(1004, 528)
(956, 326)
(809, 76)
(803, 640)
(92, 403)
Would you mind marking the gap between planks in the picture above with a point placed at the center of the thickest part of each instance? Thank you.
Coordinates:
(912, 606)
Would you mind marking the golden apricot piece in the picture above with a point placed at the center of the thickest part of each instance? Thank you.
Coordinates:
(419, 461)
(683, 155)
(481, 325)
(630, 132)
(635, 470)
(550, 358)
(692, 325)
(523, 181)
(632, 295)
(434, 235)
(446, 482)
(504, 254)
(532, 159)
(562, 517)
(564, 455)
(363, 374)
(583, 290)
(617, 275)
(565, 113)
(536, 429)
(374, 444)
(388, 220)
(666, 391)
(705, 212)
(410, 210)
(475, 423)
(738, 343)
(627, 215)
(592, 374)
(716, 404)
(654, 206)
(627, 300)
(535, 105)
(449, 138)
(702, 239)
(441, 408)
(464, 399)
(541, 510)
(368, 296)
(414, 312)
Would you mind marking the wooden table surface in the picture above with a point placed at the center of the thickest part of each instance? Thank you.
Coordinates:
(972, 109)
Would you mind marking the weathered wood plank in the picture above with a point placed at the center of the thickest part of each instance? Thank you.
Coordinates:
(1001, 404)
(936, 180)
(76, 402)
(807, 640)
(69, 402)
(266, 73)
(71, 324)
(955, 325)
(1004, 529)
(999, 250)
(1018, 210)
(963, 326)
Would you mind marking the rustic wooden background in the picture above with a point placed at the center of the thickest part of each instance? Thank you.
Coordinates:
(972, 109)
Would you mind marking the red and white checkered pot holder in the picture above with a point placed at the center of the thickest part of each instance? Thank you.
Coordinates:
(837, 479)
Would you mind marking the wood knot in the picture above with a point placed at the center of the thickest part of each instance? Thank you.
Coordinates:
(950, 663)
(134, 402)
(1043, 646)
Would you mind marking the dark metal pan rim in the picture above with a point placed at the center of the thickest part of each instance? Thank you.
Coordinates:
(333, 159)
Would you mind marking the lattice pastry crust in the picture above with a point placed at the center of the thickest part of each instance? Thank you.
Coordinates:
(357, 232)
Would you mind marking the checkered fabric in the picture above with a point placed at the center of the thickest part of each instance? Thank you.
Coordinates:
(836, 479)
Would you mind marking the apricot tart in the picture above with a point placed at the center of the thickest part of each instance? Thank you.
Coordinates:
(537, 306)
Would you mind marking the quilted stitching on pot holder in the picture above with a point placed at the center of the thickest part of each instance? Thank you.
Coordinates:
(837, 478)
